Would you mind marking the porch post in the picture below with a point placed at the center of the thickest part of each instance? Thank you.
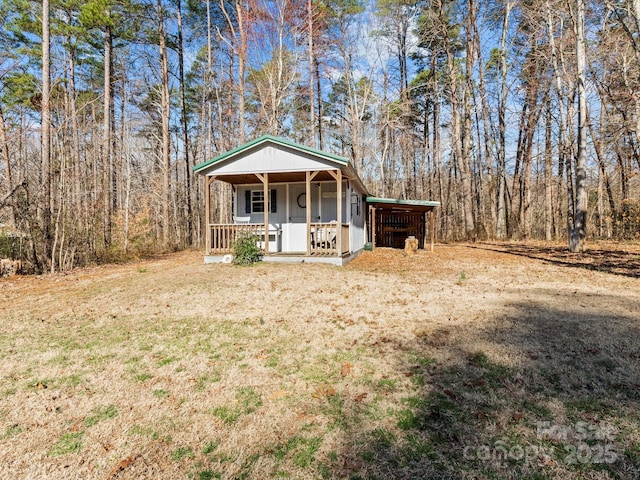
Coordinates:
(424, 225)
(308, 205)
(267, 207)
(207, 213)
(234, 203)
(432, 228)
(286, 226)
(372, 212)
(349, 207)
(339, 210)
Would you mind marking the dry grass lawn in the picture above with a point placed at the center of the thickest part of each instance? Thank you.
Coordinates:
(475, 361)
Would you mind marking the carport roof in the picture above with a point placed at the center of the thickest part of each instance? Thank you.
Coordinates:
(403, 204)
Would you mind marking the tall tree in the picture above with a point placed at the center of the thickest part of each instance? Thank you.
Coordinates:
(354, 81)
(99, 14)
(184, 124)
(4, 151)
(46, 136)
(578, 228)
(107, 160)
(165, 113)
(461, 158)
(239, 17)
(502, 127)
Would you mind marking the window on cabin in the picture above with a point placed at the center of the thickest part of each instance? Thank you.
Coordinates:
(257, 201)
(254, 201)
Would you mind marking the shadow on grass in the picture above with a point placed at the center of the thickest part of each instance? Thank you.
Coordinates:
(552, 393)
(617, 262)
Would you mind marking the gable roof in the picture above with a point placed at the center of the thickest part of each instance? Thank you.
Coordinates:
(274, 140)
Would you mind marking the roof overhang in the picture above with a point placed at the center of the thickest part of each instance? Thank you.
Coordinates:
(277, 177)
(402, 205)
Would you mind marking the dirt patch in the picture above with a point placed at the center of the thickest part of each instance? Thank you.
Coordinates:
(427, 366)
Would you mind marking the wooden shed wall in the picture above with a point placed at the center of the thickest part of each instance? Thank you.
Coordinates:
(393, 227)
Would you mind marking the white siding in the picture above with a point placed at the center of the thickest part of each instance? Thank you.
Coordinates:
(358, 230)
(271, 159)
(329, 207)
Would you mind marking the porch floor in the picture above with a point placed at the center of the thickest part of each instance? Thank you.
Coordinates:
(297, 257)
(304, 254)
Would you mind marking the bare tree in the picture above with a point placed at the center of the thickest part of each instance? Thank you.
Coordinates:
(165, 106)
(502, 128)
(107, 161)
(46, 136)
(457, 132)
(578, 230)
(4, 151)
(185, 126)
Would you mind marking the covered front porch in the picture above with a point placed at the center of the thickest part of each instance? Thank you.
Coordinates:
(323, 238)
(292, 215)
(301, 204)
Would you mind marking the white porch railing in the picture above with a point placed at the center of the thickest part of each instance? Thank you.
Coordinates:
(224, 235)
(345, 238)
(323, 237)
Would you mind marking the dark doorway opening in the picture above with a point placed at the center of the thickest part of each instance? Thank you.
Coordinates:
(392, 221)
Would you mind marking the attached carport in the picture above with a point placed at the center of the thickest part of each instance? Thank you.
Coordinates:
(392, 221)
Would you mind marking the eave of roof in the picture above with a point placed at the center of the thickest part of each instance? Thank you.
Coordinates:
(271, 139)
(401, 202)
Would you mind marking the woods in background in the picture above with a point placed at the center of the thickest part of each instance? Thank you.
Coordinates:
(521, 117)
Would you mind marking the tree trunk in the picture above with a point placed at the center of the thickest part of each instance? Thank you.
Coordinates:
(4, 151)
(562, 142)
(524, 156)
(319, 100)
(437, 151)
(207, 124)
(486, 136)
(242, 62)
(75, 130)
(107, 163)
(165, 105)
(456, 135)
(578, 231)
(47, 253)
(603, 176)
(548, 175)
(185, 131)
(477, 221)
(502, 152)
(313, 141)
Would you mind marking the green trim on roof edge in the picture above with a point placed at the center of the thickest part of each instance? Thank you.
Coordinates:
(270, 138)
(399, 201)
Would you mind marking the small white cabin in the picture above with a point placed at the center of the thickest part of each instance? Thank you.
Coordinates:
(303, 204)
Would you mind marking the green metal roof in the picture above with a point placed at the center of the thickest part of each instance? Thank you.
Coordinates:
(271, 139)
(401, 202)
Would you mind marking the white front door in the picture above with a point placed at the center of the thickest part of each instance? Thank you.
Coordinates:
(296, 230)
